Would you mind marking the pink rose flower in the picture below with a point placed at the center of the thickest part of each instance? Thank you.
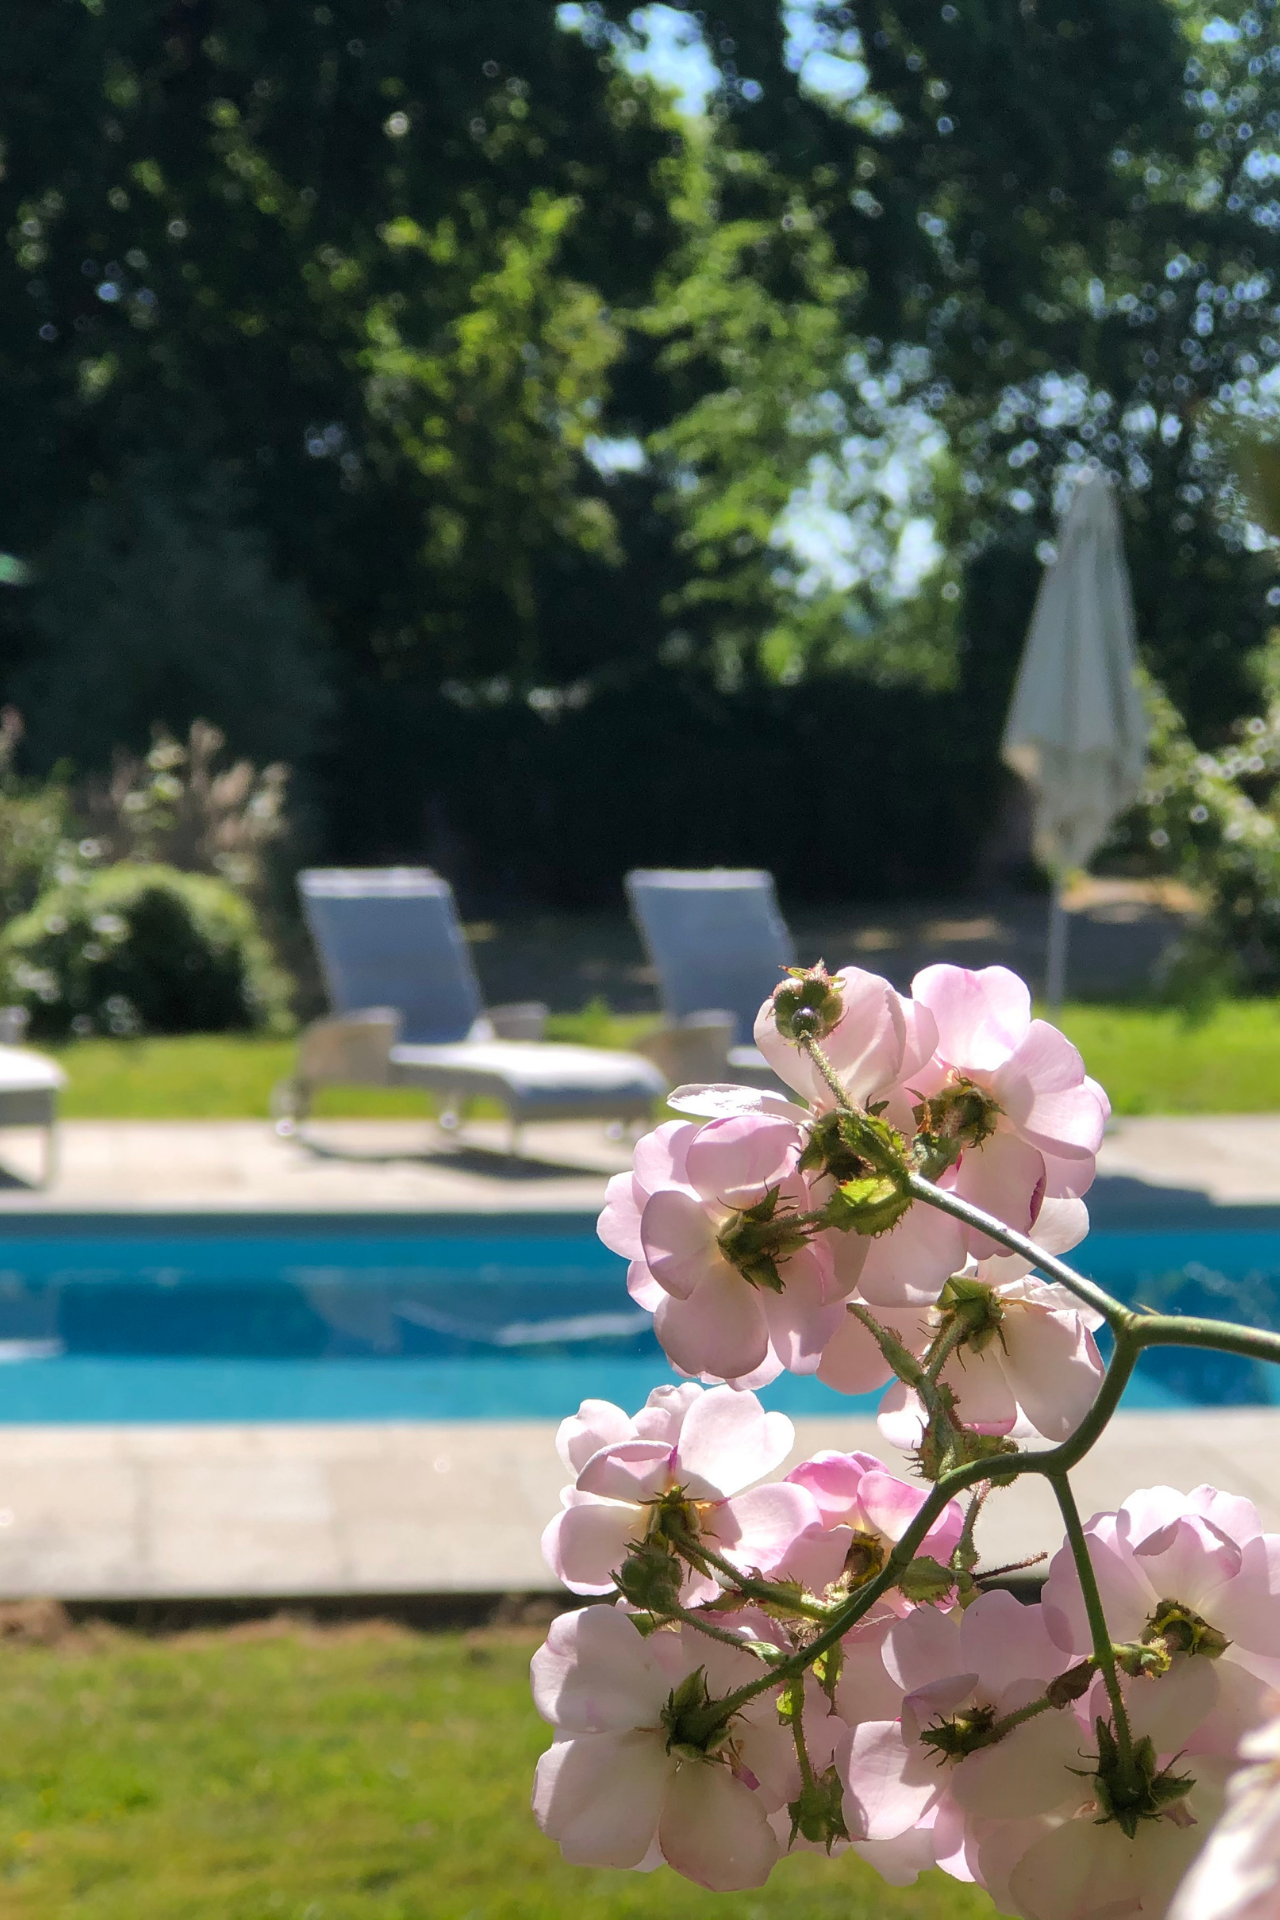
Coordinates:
(1057, 1857)
(997, 1657)
(615, 1788)
(880, 1040)
(1237, 1875)
(864, 1511)
(706, 1446)
(1036, 1371)
(1197, 1570)
(1050, 1117)
(734, 1298)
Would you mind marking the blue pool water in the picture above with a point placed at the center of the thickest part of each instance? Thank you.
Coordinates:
(455, 1319)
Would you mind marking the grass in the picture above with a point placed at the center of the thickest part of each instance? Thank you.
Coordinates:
(229, 1076)
(359, 1774)
(1150, 1059)
(1155, 1060)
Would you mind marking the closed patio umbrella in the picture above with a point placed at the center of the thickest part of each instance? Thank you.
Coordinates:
(1076, 730)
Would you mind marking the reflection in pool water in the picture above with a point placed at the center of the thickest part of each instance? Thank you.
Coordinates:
(459, 1320)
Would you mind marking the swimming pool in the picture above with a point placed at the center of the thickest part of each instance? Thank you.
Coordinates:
(454, 1318)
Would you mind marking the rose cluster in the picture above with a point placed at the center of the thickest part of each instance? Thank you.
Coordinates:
(951, 1728)
(751, 1231)
(820, 1660)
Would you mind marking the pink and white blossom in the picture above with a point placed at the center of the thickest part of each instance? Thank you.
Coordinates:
(1038, 1372)
(610, 1790)
(997, 1656)
(1206, 1553)
(864, 1509)
(880, 1040)
(689, 1187)
(707, 1446)
(1237, 1875)
(1049, 1115)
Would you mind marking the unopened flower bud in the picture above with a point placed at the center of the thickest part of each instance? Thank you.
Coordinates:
(1071, 1685)
(961, 1734)
(818, 1812)
(1131, 1790)
(925, 1580)
(807, 1004)
(650, 1577)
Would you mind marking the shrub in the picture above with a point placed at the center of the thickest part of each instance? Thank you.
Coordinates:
(142, 949)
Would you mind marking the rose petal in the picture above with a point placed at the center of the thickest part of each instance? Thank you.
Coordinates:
(727, 1441)
(595, 1673)
(719, 1329)
(585, 1544)
(600, 1796)
(593, 1426)
(679, 1240)
(715, 1831)
(634, 1470)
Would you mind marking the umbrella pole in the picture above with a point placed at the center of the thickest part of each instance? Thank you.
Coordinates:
(1055, 984)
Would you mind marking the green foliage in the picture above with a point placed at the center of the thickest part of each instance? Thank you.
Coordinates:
(153, 605)
(362, 1774)
(1213, 819)
(360, 264)
(37, 830)
(142, 949)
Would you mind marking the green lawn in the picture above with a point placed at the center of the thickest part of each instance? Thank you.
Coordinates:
(359, 1774)
(1152, 1060)
(1149, 1059)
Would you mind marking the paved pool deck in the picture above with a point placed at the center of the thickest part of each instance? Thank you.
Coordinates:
(1147, 1166)
(272, 1509)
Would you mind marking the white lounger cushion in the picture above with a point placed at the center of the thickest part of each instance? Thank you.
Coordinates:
(535, 1072)
(25, 1072)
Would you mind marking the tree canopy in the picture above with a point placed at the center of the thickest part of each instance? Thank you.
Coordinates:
(548, 410)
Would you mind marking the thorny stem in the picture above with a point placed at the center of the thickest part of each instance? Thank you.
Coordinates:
(828, 1072)
(1100, 1633)
(1141, 1331)
(964, 1554)
(1012, 1720)
(753, 1589)
(700, 1621)
(797, 1729)
(945, 1344)
(1113, 1311)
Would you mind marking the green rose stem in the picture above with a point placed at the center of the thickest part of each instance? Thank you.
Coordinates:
(1103, 1650)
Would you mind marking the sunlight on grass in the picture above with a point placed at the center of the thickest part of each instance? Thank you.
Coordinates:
(359, 1774)
(1150, 1060)
(1154, 1060)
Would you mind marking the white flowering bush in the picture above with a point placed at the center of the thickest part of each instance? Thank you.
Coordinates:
(822, 1661)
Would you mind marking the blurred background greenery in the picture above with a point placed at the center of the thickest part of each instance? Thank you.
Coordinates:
(414, 392)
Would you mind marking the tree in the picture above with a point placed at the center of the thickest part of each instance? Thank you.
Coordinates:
(360, 264)
(1056, 235)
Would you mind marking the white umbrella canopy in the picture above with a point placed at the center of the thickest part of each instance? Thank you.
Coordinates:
(1076, 730)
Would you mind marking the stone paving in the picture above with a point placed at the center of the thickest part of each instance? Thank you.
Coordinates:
(374, 1166)
(133, 1512)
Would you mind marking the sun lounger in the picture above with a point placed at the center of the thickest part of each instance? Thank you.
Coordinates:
(29, 1087)
(408, 1012)
(716, 940)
